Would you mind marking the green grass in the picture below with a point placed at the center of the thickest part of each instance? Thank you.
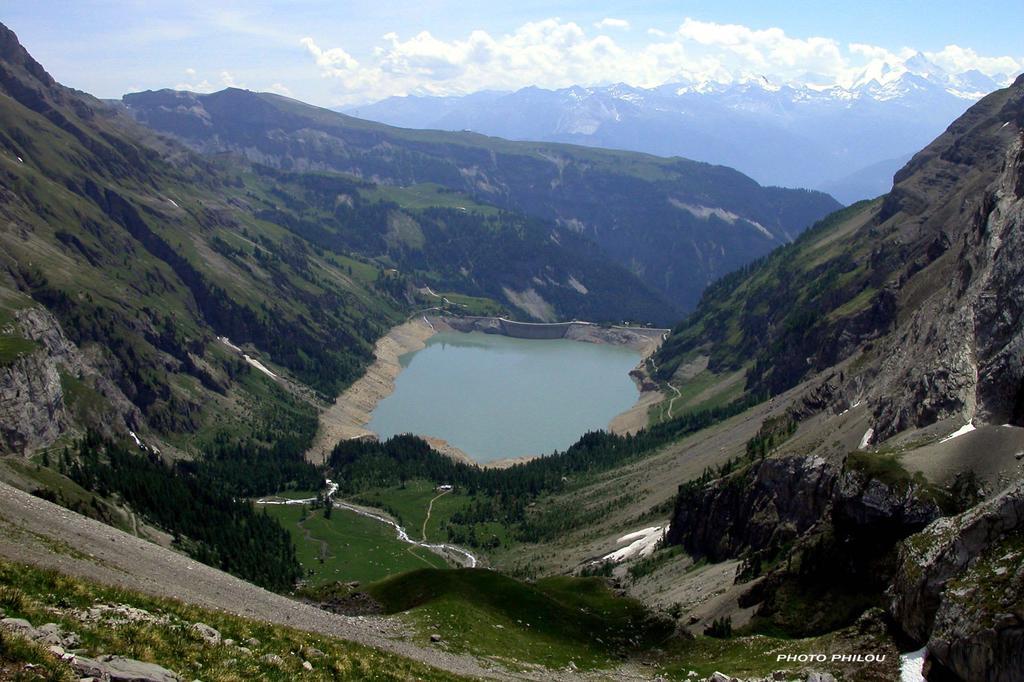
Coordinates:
(12, 348)
(44, 596)
(756, 656)
(689, 391)
(427, 195)
(469, 305)
(409, 506)
(85, 403)
(409, 503)
(551, 622)
(355, 548)
(856, 304)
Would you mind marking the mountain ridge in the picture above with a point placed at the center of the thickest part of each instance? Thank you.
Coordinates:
(828, 130)
(864, 272)
(676, 224)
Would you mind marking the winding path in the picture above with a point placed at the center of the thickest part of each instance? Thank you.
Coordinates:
(430, 508)
(673, 400)
(454, 552)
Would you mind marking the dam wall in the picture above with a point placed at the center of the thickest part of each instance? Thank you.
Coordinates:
(641, 338)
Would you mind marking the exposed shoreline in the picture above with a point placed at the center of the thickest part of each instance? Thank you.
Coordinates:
(348, 417)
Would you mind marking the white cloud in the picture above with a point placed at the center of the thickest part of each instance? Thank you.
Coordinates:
(229, 81)
(769, 50)
(333, 61)
(610, 22)
(959, 59)
(197, 86)
(553, 53)
(281, 89)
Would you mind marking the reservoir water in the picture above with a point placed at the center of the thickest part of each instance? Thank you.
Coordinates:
(495, 396)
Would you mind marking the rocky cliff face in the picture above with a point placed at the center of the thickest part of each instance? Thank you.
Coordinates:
(777, 500)
(763, 507)
(960, 588)
(864, 504)
(34, 408)
(961, 350)
(945, 249)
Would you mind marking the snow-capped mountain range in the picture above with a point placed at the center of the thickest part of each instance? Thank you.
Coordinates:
(847, 138)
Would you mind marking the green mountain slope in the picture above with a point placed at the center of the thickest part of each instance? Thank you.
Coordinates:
(177, 279)
(124, 240)
(919, 287)
(676, 223)
(444, 239)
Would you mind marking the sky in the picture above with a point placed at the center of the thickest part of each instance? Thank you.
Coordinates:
(348, 53)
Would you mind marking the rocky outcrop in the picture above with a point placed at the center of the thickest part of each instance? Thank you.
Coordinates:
(960, 587)
(779, 499)
(872, 506)
(34, 409)
(32, 413)
(764, 506)
(119, 669)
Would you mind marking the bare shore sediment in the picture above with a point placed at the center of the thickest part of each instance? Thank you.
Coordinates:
(348, 416)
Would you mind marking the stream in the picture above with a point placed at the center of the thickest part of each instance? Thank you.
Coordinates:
(452, 552)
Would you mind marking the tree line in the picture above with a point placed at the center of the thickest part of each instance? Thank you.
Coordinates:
(207, 521)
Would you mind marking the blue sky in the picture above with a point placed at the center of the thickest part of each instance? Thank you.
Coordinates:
(344, 53)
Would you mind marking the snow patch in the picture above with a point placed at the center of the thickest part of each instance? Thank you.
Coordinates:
(641, 543)
(966, 428)
(259, 365)
(226, 342)
(912, 666)
(578, 285)
(866, 440)
(629, 537)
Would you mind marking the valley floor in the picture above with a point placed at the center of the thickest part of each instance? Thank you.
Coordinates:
(35, 531)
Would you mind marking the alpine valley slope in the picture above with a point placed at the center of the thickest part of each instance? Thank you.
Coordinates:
(677, 224)
(138, 277)
(840, 509)
(894, 478)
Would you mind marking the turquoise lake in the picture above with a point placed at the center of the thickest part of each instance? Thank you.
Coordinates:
(495, 396)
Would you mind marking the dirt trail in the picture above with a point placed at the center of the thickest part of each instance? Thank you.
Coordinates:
(430, 508)
(453, 553)
(673, 400)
